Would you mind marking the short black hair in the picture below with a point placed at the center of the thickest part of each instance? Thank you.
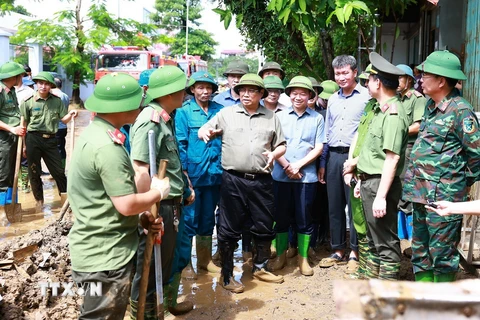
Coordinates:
(389, 84)
(58, 83)
(451, 82)
(27, 68)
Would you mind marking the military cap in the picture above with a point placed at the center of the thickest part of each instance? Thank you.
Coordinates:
(271, 65)
(300, 82)
(316, 84)
(145, 76)
(383, 68)
(251, 79)
(443, 63)
(45, 76)
(329, 88)
(272, 82)
(364, 75)
(10, 69)
(116, 92)
(27, 81)
(166, 80)
(202, 76)
(236, 67)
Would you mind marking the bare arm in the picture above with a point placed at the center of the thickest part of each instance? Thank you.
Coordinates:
(142, 176)
(414, 128)
(446, 208)
(136, 203)
(69, 116)
(18, 130)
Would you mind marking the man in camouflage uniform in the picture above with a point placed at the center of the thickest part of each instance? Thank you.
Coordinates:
(445, 162)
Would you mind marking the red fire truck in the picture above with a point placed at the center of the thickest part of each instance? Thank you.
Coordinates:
(191, 64)
(128, 59)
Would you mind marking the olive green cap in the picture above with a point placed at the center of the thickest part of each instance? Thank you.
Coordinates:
(329, 88)
(316, 84)
(202, 76)
(10, 69)
(300, 82)
(45, 76)
(272, 82)
(443, 63)
(365, 74)
(383, 68)
(251, 79)
(271, 65)
(116, 92)
(236, 67)
(166, 80)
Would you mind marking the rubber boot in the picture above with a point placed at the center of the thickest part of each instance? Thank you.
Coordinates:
(38, 206)
(273, 249)
(170, 298)
(281, 260)
(63, 198)
(445, 277)
(216, 257)
(362, 260)
(226, 279)
(389, 270)
(204, 254)
(291, 251)
(260, 270)
(188, 273)
(149, 313)
(303, 245)
(24, 178)
(424, 276)
(373, 265)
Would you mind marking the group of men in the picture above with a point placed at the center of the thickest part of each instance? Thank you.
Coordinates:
(41, 111)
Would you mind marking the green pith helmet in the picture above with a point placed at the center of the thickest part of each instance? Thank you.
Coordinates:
(316, 86)
(116, 92)
(300, 82)
(10, 69)
(365, 74)
(145, 76)
(236, 67)
(443, 63)
(251, 79)
(273, 82)
(271, 65)
(329, 88)
(166, 80)
(202, 76)
(45, 76)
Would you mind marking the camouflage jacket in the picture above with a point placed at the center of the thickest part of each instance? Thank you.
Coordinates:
(445, 158)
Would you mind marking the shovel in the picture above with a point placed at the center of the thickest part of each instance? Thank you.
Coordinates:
(13, 210)
(66, 204)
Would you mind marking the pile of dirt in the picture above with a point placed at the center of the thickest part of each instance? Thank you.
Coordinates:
(20, 287)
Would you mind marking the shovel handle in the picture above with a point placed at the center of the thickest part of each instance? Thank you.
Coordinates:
(17, 162)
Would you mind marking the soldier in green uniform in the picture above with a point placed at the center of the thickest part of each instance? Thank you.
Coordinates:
(105, 202)
(166, 86)
(445, 162)
(10, 75)
(379, 165)
(42, 111)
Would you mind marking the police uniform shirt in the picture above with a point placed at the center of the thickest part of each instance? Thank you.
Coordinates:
(42, 115)
(414, 104)
(9, 113)
(245, 137)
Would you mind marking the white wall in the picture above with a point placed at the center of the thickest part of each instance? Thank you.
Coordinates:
(400, 54)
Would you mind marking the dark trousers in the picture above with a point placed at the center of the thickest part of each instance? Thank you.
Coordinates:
(338, 198)
(112, 303)
(8, 152)
(320, 215)
(245, 201)
(61, 141)
(169, 240)
(46, 148)
(382, 233)
(293, 206)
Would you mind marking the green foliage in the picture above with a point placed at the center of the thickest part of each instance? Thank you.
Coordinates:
(199, 43)
(223, 63)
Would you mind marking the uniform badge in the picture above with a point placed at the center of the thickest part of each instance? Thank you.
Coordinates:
(155, 116)
(393, 109)
(117, 136)
(165, 116)
(469, 125)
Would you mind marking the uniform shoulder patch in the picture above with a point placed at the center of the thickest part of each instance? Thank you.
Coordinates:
(165, 116)
(155, 116)
(117, 136)
(409, 94)
(393, 109)
(469, 125)
(417, 94)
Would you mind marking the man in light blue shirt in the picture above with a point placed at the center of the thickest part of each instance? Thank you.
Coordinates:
(235, 70)
(295, 173)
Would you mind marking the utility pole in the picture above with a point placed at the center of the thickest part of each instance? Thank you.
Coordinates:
(186, 33)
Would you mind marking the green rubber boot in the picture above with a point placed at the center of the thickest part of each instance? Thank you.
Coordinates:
(303, 245)
(362, 260)
(424, 276)
(445, 277)
(373, 265)
(281, 245)
(170, 294)
(389, 270)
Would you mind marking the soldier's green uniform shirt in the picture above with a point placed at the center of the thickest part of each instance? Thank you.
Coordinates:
(9, 113)
(101, 238)
(363, 126)
(445, 158)
(414, 104)
(153, 117)
(43, 114)
(387, 131)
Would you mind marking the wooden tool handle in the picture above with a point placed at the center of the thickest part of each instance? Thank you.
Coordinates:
(17, 163)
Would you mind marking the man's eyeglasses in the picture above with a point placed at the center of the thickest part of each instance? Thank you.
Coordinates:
(249, 91)
(428, 76)
(274, 91)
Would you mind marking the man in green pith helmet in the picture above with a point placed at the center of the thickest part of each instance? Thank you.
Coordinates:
(105, 201)
(42, 112)
(235, 70)
(445, 162)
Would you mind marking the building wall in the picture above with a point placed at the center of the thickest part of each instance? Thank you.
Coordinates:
(451, 17)
(400, 54)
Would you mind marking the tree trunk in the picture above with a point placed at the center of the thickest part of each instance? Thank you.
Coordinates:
(327, 52)
(77, 77)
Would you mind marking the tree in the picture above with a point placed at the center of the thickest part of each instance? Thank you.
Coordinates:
(172, 16)
(218, 69)
(72, 38)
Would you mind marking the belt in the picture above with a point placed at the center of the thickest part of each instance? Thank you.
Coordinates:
(339, 149)
(172, 202)
(43, 135)
(366, 176)
(249, 176)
